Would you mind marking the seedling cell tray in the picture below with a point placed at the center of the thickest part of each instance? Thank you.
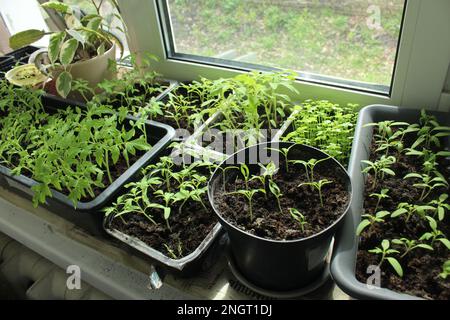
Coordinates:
(88, 214)
(343, 262)
(201, 259)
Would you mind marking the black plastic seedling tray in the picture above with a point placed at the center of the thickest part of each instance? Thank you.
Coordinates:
(202, 258)
(87, 214)
(343, 263)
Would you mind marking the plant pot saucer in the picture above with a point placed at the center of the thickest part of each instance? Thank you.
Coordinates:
(321, 281)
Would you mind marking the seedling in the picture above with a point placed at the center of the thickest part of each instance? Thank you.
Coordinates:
(245, 171)
(249, 194)
(309, 166)
(168, 199)
(275, 190)
(299, 217)
(386, 255)
(380, 196)
(445, 270)
(285, 153)
(385, 128)
(409, 210)
(430, 136)
(370, 220)
(440, 206)
(318, 186)
(267, 175)
(324, 125)
(427, 183)
(379, 168)
(410, 245)
(435, 234)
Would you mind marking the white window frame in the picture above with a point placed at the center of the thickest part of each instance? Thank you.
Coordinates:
(420, 73)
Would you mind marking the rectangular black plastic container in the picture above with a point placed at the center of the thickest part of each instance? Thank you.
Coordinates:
(87, 214)
(202, 258)
(343, 262)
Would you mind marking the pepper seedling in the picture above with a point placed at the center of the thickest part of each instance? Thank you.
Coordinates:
(410, 245)
(435, 234)
(380, 196)
(440, 206)
(318, 185)
(309, 166)
(427, 183)
(445, 270)
(386, 255)
(299, 217)
(409, 210)
(275, 190)
(379, 168)
(285, 153)
(249, 194)
(370, 220)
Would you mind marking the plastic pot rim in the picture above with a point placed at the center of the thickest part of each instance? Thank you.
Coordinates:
(314, 236)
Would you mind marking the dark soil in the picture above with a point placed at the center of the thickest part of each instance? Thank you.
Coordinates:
(189, 229)
(421, 267)
(189, 225)
(268, 222)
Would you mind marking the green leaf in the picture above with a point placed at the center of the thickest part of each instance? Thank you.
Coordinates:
(441, 213)
(425, 246)
(77, 35)
(166, 213)
(445, 242)
(412, 175)
(385, 244)
(64, 84)
(364, 224)
(68, 50)
(57, 6)
(396, 265)
(388, 171)
(24, 38)
(54, 46)
(398, 212)
(94, 23)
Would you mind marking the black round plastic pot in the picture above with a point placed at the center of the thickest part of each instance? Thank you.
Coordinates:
(270, 264)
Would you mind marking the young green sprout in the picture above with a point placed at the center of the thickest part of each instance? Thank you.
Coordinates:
(245, 171)
(410, 245)
(318, 186)
(275, 190)
(299, 217)
(386, 255)
(168, 198)
(370, 220)
(309, 166)
(445, 270)
(249, 194)
(440, 206)
(435, 234)
(427, 183)
(385, 128)
(267, 175)
(379, 168)
(409, 210)
(380, 196)
(430, 136)
(285, 153)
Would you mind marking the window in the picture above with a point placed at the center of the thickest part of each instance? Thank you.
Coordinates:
(345, 43)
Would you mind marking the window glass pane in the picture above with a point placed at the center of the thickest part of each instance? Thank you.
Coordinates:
(348, 39)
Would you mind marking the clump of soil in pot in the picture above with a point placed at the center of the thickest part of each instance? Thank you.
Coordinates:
(267, 220)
